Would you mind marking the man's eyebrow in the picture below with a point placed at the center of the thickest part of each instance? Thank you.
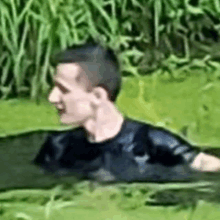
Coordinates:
(61, 86)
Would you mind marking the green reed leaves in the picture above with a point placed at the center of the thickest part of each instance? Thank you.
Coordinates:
(145, 35)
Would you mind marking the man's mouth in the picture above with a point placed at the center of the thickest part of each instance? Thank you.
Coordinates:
(60, 111)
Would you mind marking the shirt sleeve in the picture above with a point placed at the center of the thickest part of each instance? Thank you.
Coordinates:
(167, 148)
(66, 153)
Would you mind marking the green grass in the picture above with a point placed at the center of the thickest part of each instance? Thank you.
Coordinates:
(111, 212)
(118, 202)
(176, 105)
(21, 115)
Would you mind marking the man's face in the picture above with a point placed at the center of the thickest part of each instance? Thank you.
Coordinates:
(70, 96)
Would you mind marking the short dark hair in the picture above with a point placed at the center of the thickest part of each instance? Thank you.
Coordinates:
(102, 60)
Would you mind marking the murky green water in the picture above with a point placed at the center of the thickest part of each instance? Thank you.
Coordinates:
(16, 171)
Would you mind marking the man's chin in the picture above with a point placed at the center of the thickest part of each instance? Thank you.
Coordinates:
(67, 121)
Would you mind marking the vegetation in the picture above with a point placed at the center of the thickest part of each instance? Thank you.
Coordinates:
(172, 49)
(118, 202)
(147, 35)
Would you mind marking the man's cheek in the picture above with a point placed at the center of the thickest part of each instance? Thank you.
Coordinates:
(70, 107)
(78, 112)
(84, 107)
(80, 108)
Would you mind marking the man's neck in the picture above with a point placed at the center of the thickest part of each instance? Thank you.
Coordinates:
(99, 132)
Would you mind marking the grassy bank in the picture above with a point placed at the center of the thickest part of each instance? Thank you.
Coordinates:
(120, 202)
(190, 106)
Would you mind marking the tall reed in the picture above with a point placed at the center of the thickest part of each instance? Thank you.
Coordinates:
(144, 33)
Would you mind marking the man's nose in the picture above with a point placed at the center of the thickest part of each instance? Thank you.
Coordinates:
(54, 96)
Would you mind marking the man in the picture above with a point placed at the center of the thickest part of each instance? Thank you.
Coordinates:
(107, 146)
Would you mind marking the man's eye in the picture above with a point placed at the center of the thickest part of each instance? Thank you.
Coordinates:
(62, 88)
(64, 91)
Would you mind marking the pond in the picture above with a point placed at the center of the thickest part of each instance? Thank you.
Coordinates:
(17, 152)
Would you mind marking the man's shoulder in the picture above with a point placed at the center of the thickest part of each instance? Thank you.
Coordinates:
(163, 145)
(139, 127)
(136, 131)
(157, 135)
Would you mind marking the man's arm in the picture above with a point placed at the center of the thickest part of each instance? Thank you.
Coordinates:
(174, 145)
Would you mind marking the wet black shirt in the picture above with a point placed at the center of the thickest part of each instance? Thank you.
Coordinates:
(139, 152)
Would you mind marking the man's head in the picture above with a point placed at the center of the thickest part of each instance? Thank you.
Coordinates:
(85, 75)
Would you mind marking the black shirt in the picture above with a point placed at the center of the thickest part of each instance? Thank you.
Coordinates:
(139, 152)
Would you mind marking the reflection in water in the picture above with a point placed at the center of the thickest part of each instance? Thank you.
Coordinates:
(16, 171)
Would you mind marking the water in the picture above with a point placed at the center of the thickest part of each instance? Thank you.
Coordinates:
(16, 171)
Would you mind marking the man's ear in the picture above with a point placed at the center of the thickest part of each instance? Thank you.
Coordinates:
(100, 95)
(102, 106)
